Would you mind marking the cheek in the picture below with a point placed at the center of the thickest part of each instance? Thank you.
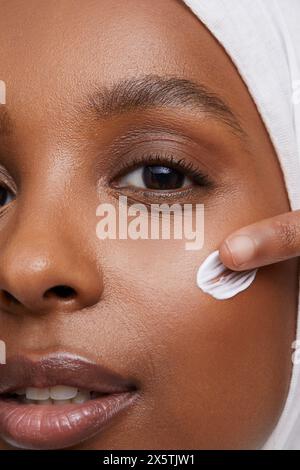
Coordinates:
(215, 365)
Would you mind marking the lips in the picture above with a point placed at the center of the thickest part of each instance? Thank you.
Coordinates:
(55, 425)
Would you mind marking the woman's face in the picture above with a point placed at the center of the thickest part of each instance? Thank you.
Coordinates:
(208, 373)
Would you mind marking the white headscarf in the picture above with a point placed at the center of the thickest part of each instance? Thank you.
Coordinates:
(262, 37)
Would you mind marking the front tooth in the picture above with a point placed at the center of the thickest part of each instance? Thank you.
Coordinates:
(62, 392)
(82, 396)
(45, 402)
(33, 393)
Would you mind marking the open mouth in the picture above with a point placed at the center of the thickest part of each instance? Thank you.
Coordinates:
(59, 401)
(58, 395)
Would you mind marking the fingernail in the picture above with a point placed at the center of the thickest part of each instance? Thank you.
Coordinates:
(242, 249)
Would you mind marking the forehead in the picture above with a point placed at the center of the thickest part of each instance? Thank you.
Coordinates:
(52, 48)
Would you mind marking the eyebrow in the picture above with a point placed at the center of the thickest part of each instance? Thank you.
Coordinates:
(153, 91)
(150, 91)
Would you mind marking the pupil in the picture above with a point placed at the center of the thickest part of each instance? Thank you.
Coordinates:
(162, 177)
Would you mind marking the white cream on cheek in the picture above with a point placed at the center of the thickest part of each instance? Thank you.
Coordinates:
(220, 282)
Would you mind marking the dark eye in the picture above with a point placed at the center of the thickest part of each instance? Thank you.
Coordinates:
(6, 196)
(156, 177)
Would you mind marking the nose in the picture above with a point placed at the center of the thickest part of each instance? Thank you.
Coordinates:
(42, 272)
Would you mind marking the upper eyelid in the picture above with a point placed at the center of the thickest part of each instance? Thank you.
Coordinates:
(127, 144)
(193, 147)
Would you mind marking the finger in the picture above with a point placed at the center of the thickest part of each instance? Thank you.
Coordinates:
(266, 242)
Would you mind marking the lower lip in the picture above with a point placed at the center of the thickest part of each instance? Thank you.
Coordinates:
(30, 426)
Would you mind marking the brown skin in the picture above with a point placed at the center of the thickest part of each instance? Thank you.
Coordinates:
(211, 374)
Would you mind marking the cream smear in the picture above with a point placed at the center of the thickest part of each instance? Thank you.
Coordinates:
(219, 281)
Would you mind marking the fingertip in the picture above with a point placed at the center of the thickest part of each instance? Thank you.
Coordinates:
(226, 257)
(238, 252)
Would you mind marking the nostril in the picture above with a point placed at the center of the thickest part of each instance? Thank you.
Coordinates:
(64, 292)
(9, 298)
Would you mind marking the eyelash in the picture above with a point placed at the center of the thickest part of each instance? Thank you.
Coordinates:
(6, 181)
(169, 160)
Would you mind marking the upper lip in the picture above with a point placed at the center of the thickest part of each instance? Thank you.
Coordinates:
(61, 369)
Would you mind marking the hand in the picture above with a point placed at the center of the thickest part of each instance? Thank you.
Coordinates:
(265, 242)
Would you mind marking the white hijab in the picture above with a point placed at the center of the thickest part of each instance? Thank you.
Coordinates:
(262, 37)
